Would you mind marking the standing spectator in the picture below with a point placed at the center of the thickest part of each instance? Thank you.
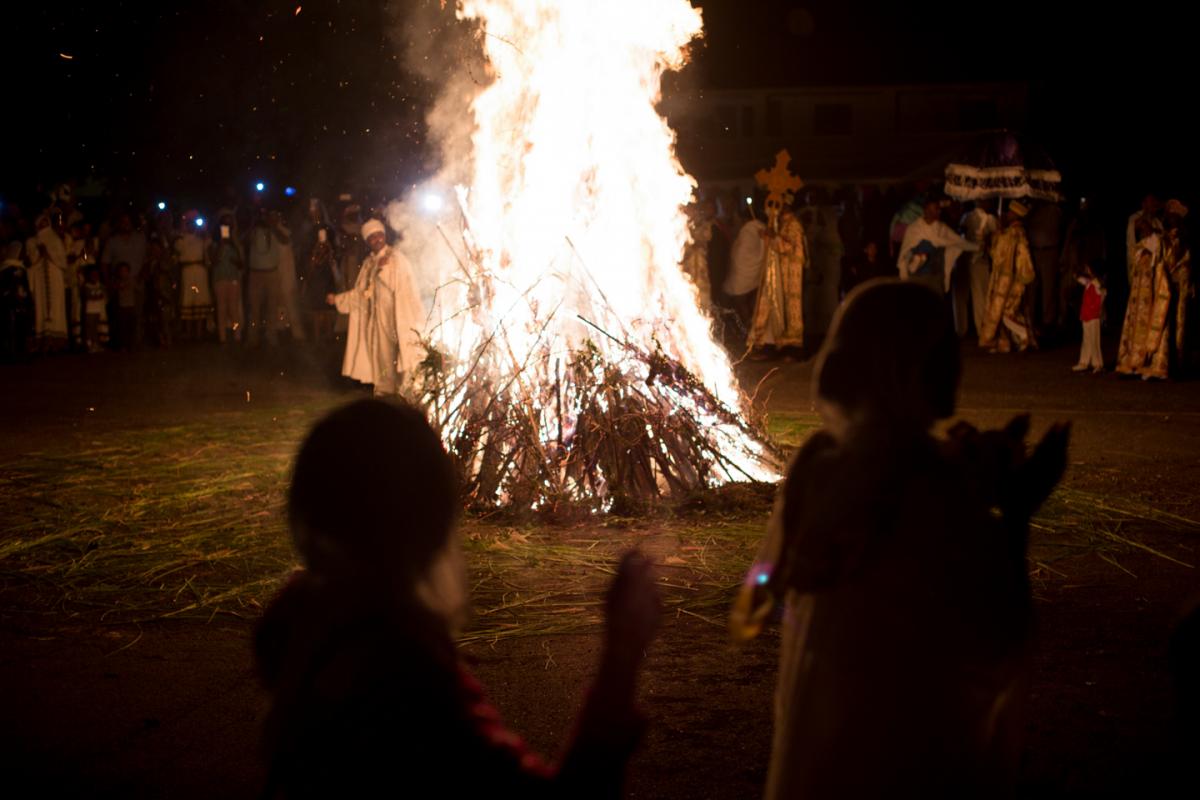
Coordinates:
(127, 245)
(1177, 263)
(352, 249)
(47, 272)
(745, 267)
(900, 558)
(127, 308)
(1151, 206)
(264, 290)
(16, 305)
(875, 214)
(160, 290)
(1143, 349)
(307, 237)
(861, 267)
(289, 287)
(1084, 246)
(850, 225)
(321, 273)
(695, 254)
(228, 266)
(978, 226)
(364, 676)
(1090, 312)
(1154, 336)
(83, 251)
(1006, 323)
(95, 312)
(1045, 243)
(724, 228)
(163, 227)
(195, 294)
(909, 213)
(930, 248)
(824, 262)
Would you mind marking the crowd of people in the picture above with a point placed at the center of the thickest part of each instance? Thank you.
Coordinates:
(1017, 274)
(90, 277)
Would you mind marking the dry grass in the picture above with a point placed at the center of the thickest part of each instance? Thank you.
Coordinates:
(185, 522)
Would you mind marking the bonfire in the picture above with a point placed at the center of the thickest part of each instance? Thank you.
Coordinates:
(569, 361)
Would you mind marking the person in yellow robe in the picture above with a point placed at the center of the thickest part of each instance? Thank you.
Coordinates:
(695, 255)
(1005, 324)
(779, 310)
(1159, 289)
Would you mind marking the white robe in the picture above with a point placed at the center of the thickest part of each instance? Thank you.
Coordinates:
(386, 318)
(939, 234)
(746, 259)
(47, 283)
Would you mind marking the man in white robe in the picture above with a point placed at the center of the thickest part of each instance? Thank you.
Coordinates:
(47, 280)
(930, 249)
(386, 317)
(746, 266)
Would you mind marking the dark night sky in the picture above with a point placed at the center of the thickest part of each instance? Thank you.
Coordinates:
(194, 96)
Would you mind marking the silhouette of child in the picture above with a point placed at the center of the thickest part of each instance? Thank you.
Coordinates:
(900, 559)
(368, 694)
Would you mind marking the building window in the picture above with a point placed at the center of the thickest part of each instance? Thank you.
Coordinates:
(833, 119)
(748, 121)
(774, 117)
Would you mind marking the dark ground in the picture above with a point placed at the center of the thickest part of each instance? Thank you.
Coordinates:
(171, 708)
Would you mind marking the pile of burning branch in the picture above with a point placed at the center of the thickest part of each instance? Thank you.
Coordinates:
(600, 423)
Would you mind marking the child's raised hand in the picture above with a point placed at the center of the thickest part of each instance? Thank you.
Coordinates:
(1040, 473)
(632, 608)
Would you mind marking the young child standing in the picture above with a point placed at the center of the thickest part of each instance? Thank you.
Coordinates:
(127, 308)
(368, 690)
(95, 311)
(1090, 311)
(900, 559)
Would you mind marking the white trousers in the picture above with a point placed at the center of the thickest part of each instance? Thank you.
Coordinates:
(1089, 352)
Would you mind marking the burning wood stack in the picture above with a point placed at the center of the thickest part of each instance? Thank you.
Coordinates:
(570, 362)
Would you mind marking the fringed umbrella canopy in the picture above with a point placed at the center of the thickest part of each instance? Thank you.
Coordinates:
(1004, 166)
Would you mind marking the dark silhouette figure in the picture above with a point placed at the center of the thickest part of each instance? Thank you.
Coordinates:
(900, 558)
(1184, 659)
(368, 695)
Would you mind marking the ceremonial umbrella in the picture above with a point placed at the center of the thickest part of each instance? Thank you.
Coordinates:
(1005, 166)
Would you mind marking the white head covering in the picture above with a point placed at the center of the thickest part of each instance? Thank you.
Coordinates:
(372, 226)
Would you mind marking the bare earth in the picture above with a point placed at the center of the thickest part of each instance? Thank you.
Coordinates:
(171, 708)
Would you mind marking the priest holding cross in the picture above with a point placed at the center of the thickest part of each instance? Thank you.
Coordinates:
(778, 318)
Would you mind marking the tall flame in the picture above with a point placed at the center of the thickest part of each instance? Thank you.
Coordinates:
(575, 205)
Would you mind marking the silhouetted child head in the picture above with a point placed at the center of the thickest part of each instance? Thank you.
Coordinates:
(891, 355)
(373, 496)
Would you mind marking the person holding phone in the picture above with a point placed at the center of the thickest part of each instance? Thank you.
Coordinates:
(322, 278)
(228, 266)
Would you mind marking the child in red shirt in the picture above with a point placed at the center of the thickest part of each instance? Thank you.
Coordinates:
(1090, 311)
